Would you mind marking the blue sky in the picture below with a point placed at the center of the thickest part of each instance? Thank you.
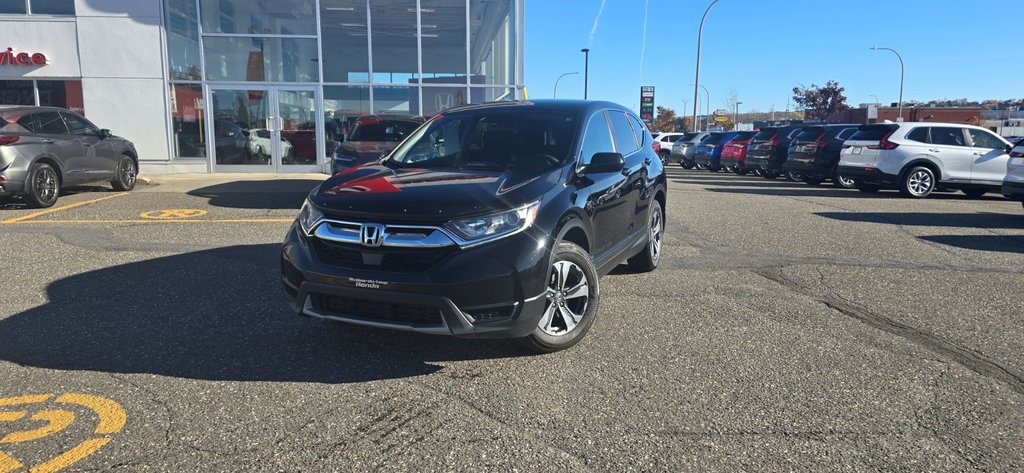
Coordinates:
(762, 48)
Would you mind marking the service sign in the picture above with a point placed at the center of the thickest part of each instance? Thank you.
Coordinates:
(647, 104)
(11, 57)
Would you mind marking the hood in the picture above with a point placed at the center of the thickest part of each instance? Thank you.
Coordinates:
(367, 150)
(376, 192)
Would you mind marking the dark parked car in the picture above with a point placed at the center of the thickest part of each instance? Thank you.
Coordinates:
(492, 221)
(46, 149)
(372, 137)
(734, 152)
(709, 153)
(769, 148)
(814, 154)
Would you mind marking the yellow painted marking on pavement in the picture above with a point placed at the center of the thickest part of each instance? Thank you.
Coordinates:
(112, 416)
(12, 416)
(58, 209)
(219, 220)
(33, 399)
(8, 464)
(56, 421)
(69, 457)
(173, 214)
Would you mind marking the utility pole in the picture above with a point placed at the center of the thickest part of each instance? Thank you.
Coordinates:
(901, 77)
(696, 80)
(586, 70)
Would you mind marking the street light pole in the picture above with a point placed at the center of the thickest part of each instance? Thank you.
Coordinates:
(696, 80)
(707, 97)
(901, 77)
(874, 97)
(554, 93)
(586, 70)
(736, 117)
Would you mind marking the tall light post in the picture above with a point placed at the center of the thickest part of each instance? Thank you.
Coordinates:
(554, 94)
(874, 97)
(901, 76)
(586, 70)
(685, 102)
(736, 116)
(696, 80)
(707, 105)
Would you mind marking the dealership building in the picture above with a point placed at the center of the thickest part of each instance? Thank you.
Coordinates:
(255, 85)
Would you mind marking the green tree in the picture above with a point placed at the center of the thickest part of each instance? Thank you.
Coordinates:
(665, 120)
(820, 102)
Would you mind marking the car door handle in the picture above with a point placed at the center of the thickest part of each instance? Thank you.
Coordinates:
(47, 141)
(933, 151)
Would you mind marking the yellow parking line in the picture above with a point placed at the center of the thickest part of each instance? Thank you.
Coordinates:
(227, 220)
(69, 457)
(58, 209)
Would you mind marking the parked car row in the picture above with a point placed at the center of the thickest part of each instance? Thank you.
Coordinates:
(915, 158)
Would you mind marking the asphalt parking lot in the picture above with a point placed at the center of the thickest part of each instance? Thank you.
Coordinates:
(789, 328)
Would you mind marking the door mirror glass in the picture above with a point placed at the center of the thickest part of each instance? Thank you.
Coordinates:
(104, 134)
(604, 162)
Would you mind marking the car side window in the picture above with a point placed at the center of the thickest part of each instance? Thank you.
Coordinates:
(948, 136)
(625, 142)
(984, 139)
(597, 138)
(919, 134)
(49, 123)
(846, 134)
(639, 130)
(79, 126)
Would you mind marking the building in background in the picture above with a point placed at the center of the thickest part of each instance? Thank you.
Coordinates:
(255, 85)
(964, 115)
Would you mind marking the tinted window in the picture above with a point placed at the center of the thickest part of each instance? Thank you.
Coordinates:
(53, 7)
(49, 123)
(625, 142)
(872, 132)
(714, 138)
(984, 139)
(809, 134)
(918, 134)
(383, 130)
(744, 136)
(597, 138)
(792, 133)
(846, 134)
(12, 6)
(78, 125)
(948, 136)
(639, 129)
(688, 136)
(765, 135)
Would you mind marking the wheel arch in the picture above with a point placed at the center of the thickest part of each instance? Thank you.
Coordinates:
(571, 228)
(53, 163)
(920, 161)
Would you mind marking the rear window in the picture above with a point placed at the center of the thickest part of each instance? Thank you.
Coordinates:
(744, 135)
(688, 137)
(809, 134)
(873, 132)
(765, 135)
(714, 138)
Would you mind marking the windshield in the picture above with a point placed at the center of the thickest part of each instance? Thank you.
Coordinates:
(382, 130)
(500, 139)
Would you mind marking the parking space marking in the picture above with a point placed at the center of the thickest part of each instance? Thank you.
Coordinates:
(111, 419)
(173, 214)
(215, 220)
(51, 210)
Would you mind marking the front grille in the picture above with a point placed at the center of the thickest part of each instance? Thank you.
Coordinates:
(377, 310)
(404, 260)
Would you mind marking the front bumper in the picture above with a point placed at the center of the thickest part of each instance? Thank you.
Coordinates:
(1013, 190)
(868, 175)
(494, 290)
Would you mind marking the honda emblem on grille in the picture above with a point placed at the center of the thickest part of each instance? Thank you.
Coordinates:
(371, 234)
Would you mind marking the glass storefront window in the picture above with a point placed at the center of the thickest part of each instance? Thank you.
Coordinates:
(182, 39)
(393, 23)
(343, 104)
(261, 59)
(492, 94)
(188, 121)
(61, 93)
(292, 17)
(443, 39)
(344, 35)
(399, 100)
(17, 92)
(13, 7)
(439, 99)
(492, 42)
(53, 7)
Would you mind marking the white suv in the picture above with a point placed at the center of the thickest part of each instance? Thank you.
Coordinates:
(666, 140)
(919, 157)
(1013, 184)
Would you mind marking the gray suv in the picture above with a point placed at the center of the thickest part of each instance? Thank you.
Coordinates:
(46, 149)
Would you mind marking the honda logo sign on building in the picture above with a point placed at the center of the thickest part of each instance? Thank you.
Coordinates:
(12, 58)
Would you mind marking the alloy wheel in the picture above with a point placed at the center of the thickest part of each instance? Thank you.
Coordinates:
(127, 173)
(567, 296)
(846, 182)
(45, 185)
(920, 182)
(655, 238)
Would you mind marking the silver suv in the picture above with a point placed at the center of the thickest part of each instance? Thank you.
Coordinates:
(684, 150)
(46, 149)
(1013, 184)
(919, 157)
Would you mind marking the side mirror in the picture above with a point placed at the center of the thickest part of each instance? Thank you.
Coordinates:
(104, 134)
(602, 163)
(1009, 149)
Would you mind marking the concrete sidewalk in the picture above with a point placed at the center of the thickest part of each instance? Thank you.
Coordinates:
(230, 182)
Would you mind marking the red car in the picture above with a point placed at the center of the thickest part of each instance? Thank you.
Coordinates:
(734, 152)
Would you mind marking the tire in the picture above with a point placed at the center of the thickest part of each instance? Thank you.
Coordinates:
(917, 182)
(867, 188)
(974, 193)
(812, 181)
(794, 176)
(686, 165)
(648, 259)
(566, 303)
(42, 186)
(741, 171)
(714, 168)
(770, 174)
(126, 174)
(844, 182)
(664, 155)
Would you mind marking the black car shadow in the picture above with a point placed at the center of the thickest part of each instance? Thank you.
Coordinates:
(214, 315)
(279, 194)
(1001, 243)
(924, 219)
(805, 191)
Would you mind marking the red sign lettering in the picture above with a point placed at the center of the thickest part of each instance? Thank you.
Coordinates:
(11, 58)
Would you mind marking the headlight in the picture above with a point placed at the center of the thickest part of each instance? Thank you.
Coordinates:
(494, 226)
(309, 216)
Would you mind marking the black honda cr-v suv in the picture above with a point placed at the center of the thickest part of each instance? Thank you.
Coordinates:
(491, 221)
